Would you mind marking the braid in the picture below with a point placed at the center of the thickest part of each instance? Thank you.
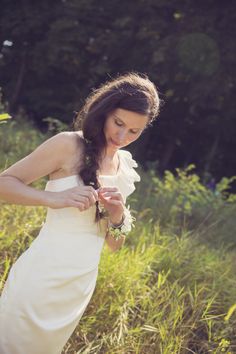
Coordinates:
(89, 170)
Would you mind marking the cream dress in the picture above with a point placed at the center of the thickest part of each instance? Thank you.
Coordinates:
(52, 282)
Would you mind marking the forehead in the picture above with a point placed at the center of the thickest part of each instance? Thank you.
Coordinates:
(131, 119)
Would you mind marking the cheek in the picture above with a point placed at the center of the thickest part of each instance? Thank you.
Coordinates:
(107, 127)
(134, 137)
(130, 139)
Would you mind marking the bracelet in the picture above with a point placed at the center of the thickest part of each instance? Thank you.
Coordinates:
(117, 231)
(119, 225)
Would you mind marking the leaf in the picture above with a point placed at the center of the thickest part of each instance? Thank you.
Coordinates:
(4, 116)
(230, 312)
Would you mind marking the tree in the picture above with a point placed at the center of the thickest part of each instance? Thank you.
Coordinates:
(54, 53)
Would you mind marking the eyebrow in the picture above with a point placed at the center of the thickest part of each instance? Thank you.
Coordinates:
(124, 122)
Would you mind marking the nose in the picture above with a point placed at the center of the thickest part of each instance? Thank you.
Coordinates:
(121, 135)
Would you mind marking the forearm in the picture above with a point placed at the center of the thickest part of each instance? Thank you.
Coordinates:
(12, 190)
(114, 244)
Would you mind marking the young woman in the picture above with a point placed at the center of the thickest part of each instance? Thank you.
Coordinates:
(51, 283)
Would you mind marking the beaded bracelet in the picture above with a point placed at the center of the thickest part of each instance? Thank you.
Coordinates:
(124, 228)
(116, 230)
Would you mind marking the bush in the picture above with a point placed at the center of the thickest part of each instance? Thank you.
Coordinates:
(182, 202)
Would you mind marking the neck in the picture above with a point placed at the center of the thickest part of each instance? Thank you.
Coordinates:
(110, 153)
(109, 161)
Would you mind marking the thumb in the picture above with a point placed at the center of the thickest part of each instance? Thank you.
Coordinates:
(100, 196)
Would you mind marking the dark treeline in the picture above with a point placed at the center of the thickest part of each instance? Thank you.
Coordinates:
(54, 52)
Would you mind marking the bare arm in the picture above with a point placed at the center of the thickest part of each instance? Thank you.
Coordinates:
(44, 160)
(114, 245)
(13, 190)
(113, 202)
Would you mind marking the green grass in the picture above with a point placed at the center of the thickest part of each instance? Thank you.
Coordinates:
(171, 288)
(166, 295)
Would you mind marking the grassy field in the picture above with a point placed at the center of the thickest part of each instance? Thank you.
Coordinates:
(171, 288)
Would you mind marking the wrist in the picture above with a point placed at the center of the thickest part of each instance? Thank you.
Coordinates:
(49, 199)
(116, 222)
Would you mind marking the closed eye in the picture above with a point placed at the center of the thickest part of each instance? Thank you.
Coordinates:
(119, 124)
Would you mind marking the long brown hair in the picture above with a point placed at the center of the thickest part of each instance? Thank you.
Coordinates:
(130, 91)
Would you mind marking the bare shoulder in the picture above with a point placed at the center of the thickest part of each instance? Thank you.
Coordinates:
(70, 140)
(72, 147)
(58, 154)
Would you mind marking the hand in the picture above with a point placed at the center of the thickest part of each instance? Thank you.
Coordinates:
(81, 197)
(112, 201)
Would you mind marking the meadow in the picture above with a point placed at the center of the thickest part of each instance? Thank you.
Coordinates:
(171, 288)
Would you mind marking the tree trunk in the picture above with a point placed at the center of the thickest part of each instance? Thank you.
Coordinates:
(164, 162)
(19, 83)
(211, 154)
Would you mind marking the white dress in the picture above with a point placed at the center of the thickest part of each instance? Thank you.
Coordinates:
(52, 282)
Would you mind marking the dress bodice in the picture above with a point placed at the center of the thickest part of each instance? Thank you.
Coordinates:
(84, 220)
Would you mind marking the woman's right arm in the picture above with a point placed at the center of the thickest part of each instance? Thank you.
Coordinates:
(47, 158)
(14, 191)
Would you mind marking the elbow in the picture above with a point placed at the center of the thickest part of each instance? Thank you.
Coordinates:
(5, 178)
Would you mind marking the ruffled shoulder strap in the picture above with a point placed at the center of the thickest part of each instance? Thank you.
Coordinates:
(128, 175)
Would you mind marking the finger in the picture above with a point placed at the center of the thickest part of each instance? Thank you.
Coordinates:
(76, 204)
(108, 189)
(92, 196)
(113, 195)
(115, 202)
(101, 196)
(89, 196)
(87, 201)
(104, 200)
(92, 191)
(116, 193)
(86, 190)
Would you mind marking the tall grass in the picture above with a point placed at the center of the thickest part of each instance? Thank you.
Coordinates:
(171, 288)
(179, 200)
(17, 139)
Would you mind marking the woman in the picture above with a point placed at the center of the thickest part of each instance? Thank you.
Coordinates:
(51, 283)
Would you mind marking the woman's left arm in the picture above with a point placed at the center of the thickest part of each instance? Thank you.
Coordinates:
(113, 244)
(112, 201)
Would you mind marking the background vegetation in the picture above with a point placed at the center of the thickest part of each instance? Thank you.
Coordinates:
(171, 288)
(54, 53)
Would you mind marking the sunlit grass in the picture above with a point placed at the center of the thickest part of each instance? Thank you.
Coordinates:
(167, 295)
(162, 293)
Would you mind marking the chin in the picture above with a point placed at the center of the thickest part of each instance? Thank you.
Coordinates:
(111, 143)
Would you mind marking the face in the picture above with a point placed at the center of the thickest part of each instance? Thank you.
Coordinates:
(122, 127)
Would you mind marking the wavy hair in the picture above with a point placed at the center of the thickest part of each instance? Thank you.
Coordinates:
(130, 91)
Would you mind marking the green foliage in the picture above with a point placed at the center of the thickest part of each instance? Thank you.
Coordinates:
(4, 117)
(17, 139)
(183, 202)
(54, 53)
(159, 294)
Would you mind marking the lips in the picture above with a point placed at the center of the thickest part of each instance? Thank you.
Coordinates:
(115, 143)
